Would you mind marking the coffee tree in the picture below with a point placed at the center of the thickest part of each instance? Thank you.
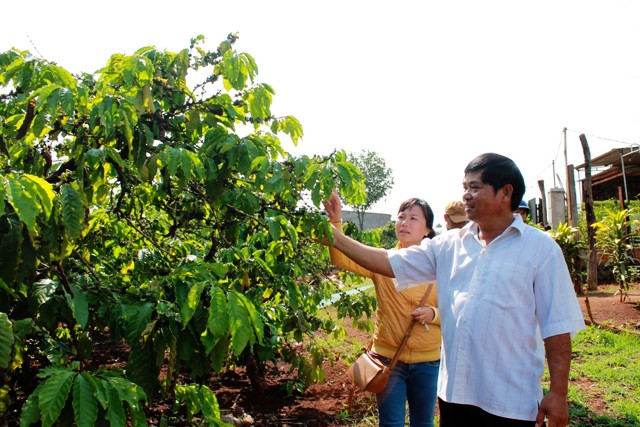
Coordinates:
(152, 202)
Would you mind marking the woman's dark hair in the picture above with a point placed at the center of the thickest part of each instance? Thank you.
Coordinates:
(498, 171)
(426, 209)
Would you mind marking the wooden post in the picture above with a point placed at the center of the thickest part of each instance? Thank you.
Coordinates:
(572, 205)
(544, 203)
(592, 265)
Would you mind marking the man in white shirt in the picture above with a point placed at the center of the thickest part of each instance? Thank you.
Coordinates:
(505, 298)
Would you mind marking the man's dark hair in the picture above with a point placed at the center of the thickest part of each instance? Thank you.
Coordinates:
(498, 171)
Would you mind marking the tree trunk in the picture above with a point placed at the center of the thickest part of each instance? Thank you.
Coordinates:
(592, 266)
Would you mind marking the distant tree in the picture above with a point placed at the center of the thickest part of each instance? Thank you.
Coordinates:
(378, 180)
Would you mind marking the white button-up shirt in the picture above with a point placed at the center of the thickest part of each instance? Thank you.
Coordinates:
(497, 303)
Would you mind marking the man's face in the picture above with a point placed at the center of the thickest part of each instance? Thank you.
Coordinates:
(480, 200)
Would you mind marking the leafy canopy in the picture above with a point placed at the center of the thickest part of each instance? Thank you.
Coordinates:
(154, 199)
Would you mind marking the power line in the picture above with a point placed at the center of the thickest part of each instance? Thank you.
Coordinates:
(605, 139)
(34, 46)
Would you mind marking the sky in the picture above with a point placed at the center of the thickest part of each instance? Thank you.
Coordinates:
(428, 85)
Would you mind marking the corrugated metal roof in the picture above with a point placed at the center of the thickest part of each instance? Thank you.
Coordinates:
(614, 157)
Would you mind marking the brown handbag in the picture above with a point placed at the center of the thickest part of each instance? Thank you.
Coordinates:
(370, 374)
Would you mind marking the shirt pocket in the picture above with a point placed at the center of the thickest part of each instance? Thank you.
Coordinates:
(509, 286)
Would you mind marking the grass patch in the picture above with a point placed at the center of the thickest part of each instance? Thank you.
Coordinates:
(604, 386)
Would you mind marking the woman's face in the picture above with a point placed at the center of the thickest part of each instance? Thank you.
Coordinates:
(411, 226)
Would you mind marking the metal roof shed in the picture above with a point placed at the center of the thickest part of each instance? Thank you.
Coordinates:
(623, 173)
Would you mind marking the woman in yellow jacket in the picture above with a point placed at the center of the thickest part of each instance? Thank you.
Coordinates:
(415, 377)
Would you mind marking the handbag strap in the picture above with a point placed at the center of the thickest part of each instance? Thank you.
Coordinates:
(409, 329)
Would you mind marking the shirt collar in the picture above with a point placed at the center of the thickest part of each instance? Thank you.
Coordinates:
(517, 225)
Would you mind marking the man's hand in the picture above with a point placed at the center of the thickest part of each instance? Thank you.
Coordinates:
(554, 404)
(555, 408)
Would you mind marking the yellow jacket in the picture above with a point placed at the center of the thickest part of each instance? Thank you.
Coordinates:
(393, 315)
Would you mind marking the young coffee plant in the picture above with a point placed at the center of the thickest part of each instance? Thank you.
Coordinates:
(152, 204)
(614, 239)
(573, 248)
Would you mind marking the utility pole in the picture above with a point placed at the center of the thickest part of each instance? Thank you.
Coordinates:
(564, 133)
(572, 208)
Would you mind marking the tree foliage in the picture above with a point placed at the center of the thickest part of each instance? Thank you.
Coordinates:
(568, 238)
(153, 199)
(378, 180)
(614, 239)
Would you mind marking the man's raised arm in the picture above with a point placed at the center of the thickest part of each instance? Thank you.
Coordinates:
(373, 259)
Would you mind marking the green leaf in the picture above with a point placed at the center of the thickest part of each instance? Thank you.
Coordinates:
(256, 322)
(85, 402)
(72, 210)
(171, 158)
(58, 75)
(67, 103)
(274, 229)
(188, 394)
(292, 127)
(141, 367)
(42, 190)
(128, 392)
(53, 396)
(24, 203)
(80, 306)
(209, 404)
(236, 69)
(10, 243)
(316, 196)
(259, 103)
(239, 324)
(218, 269)
(115, 156)
(30, 410)
(218, 315)
(6, 340)
(3, 197)
(101, 393)
(44, 290)
(136, 318)
(115, 410)
(189, 306)
(39, 125)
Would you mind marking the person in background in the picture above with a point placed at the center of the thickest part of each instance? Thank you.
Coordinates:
(523, 210)
(414, 378)
(454, 215)
(506, 300)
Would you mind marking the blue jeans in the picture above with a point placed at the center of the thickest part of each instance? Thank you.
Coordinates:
(413, 382)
